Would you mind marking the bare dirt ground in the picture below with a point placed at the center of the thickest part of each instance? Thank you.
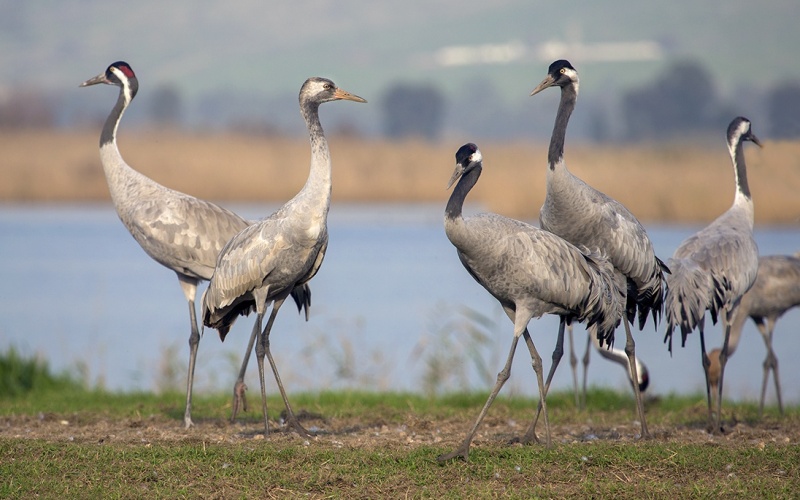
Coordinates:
(359, 433)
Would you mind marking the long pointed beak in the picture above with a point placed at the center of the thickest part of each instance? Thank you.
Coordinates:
(347, 96)
(755, 140)
(549, 81)
(456, 174)
(101, 78)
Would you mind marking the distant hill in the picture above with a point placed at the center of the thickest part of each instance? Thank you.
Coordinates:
(262, 51)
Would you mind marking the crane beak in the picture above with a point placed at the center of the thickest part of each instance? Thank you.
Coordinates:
(456, 174)
(347, 96)
(101, 78)
(752, 137)
(549, 81)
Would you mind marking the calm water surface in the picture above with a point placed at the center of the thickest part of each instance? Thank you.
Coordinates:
(390, 303)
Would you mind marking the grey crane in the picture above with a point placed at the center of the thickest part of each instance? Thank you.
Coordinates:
(584, 216)
(178, 231)
(712, 269)
(531, 272)
(267, 260)
(775, 291)
(612, 354)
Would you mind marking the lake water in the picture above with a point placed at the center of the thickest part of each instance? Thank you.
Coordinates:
(392, 308)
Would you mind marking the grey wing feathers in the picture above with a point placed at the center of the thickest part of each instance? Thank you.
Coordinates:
(606, 301)
(525, 261)
(687, 298)
(727, 258)
(631, 252)
(260, 252)
(241, 267)
(520, 255)
(584, 216)
(182, 233)
(776, 289)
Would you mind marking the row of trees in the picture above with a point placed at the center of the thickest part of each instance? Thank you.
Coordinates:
(684, 101)
(681, 101)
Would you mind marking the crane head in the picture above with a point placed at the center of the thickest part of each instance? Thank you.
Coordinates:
(321, 90)
(120, 74)
(467, 157)
(560, 73)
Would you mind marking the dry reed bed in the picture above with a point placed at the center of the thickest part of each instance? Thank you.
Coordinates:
(659, 183)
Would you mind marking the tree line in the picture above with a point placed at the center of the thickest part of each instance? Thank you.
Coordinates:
(681, 101)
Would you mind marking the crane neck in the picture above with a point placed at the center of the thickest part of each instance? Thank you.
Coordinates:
(120, 177)
(569, 96)
(109, 133)
(740, 169)
(619, 357)
(455, 204)
(319, 177)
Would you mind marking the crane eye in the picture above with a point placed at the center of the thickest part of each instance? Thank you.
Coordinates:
(563, 70)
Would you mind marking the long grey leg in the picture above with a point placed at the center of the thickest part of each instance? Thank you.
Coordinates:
(260, 362)
(463, 449)
(291, 420)
(770, 363)
(777, 381)
(530, 435)
(239, 388)
(536, 361)
(586, 368)
(723, 359)
(573, 362)
(189, 287)
(630, 350)
(706, 362)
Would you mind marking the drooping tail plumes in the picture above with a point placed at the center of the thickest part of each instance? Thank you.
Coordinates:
(605, 305)
(648, 298)
(688, 295)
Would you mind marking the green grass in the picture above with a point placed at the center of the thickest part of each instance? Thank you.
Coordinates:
(88, 471)
(287, 465)
(65, 441)
(20, 375)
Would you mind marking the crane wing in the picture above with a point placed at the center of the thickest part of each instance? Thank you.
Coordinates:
(183, 233)
(272, 248)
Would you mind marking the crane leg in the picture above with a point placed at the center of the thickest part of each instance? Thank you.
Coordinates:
(239, 397)
(573, 362)
(770, 363)
(777, 382)
(723, 359)
(706, 362)
(764, 381)
(586, 368)
(291, 419)
(630, 350)
(530, 434)
(260, 362)
(536, 361)
(194, 343)
(189, 288)
(463, 449)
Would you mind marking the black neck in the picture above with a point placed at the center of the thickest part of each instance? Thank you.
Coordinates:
(456, 202)
(741, 169)
(569, 95)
